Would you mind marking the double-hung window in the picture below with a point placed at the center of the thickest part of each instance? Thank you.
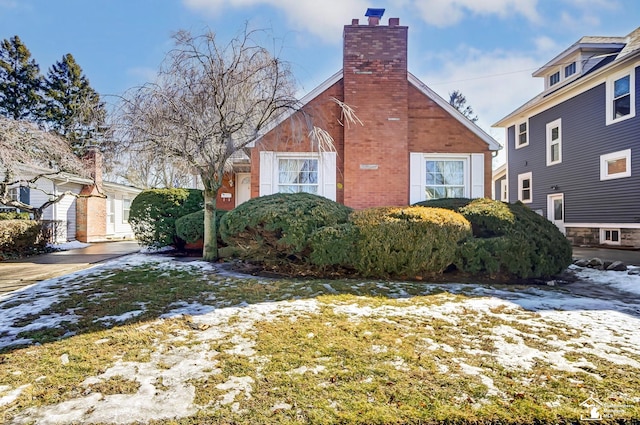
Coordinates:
(554, 142)
(293, 172)
(298, 175)
(620, 97)
(525, 188)
(445, 178)
(523, 135)
(126, 208)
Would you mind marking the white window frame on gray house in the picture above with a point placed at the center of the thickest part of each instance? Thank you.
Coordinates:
(616, 93)
(609, 236)
(270, 176)
(504, 190)
(607, 159)
(554, 139)
(422, 189)
(521, 189)
(522, 132)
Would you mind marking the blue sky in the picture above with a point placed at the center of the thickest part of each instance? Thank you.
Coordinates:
(485, 48)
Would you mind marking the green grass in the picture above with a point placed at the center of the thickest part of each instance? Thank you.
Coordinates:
(321, 352)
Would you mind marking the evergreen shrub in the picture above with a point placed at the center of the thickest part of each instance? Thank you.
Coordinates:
(154, 213)
(278, 227)
(190, 227)
(509, 240)
(20, 237)
(407, 241)
(14, 215)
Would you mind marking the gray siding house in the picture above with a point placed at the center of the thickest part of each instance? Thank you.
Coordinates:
(573, 152)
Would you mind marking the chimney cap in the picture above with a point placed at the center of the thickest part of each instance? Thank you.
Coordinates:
(374, 13)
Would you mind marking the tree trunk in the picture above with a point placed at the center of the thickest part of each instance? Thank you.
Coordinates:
(210, 248)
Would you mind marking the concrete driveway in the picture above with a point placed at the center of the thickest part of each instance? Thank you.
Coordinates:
(18, 273)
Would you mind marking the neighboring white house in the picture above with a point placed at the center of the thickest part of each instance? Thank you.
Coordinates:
(95, 214)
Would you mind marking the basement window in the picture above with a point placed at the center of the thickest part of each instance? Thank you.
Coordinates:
(610, 236)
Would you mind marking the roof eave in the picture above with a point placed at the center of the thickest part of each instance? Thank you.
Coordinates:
(580, 82)
(493, 144)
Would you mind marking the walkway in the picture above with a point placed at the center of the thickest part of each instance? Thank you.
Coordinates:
(627, 256)
(27, 271)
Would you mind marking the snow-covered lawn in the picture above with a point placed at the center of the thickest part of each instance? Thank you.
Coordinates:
(146, 338)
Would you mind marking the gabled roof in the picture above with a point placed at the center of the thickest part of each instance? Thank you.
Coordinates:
(629, 48)
(473, 127)
(493, 144)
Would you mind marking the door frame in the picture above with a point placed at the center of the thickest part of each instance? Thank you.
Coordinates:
(239, 177)
(551, 211)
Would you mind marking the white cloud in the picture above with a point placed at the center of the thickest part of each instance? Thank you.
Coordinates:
(324, 20)
(546, 44)
(442, 13)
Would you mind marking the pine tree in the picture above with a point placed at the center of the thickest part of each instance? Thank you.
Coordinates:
(20, 81)
(73, 108)
(459, 101)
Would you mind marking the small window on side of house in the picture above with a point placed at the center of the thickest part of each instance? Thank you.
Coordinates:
(504, 191)
(569, 70)
(523, 135)
(525, 188)
(554, 142)
(610, 236)
(615, 165)
(554, 78)
(620, 97)
(126, 208)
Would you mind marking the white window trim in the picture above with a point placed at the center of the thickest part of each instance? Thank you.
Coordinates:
(124, 202)
(602, 236)
(632, 91)
(474, 173)
(559, 78)
(521, 178)
(517, 138)
(604, 175)
(326, 171)
(504, 190)
(550, 127)
(296, 155)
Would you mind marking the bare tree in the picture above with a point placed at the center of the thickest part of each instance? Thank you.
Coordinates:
(210, 101)
(27, 155)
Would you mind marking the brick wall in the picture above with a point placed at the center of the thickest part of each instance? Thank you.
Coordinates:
(292, 135)
(376, 170)
(91, 207)
(434, 130)
(397, 118)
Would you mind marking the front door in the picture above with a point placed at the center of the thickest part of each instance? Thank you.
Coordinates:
(243, 187)
(555, 210)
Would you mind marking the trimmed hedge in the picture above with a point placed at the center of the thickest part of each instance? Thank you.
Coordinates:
(509, 240)
(20, 237)
(190, 227)
(407, 241)
(14, 216)
(154, 213)
(278, 227)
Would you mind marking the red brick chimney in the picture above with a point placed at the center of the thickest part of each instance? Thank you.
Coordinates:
(376, 170)
(91, 206)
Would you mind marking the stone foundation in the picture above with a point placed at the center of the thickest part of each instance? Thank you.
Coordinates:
(590, 236)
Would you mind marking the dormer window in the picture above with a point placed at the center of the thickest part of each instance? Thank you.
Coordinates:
(569, 70)
(554, 78)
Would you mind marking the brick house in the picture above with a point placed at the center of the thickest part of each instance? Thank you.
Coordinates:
(412, 144)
